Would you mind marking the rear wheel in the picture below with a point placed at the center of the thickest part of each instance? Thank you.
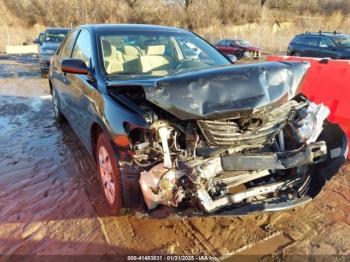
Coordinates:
(108, 173)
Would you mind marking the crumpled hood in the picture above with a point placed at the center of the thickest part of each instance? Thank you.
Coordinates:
(222, 92)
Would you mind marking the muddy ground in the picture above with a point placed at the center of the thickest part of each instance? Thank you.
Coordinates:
(50, 202)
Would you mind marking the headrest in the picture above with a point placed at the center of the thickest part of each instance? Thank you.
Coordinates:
(131, 50)
(155, 50)
(107, 49)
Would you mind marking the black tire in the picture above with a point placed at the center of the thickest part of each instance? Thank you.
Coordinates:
(43, 74)
(115, 205)
(59, 117)
(296, 54)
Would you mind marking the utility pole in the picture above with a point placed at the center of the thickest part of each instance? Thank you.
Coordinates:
(7, 33)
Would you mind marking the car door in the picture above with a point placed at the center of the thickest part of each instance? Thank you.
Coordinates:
(82, 88)
(59, 79)
(327, 48)
(311, 46)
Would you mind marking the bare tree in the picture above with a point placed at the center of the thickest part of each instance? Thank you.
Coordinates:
(185, 3)
(262, 2)
(131, 3)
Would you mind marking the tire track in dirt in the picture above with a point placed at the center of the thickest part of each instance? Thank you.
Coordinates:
(207, 247)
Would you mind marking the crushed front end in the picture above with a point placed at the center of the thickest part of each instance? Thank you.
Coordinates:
(257, 145)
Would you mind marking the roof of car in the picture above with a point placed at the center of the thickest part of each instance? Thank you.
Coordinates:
(232, 39)
(130, 27)
(56, 28)
(329, 34)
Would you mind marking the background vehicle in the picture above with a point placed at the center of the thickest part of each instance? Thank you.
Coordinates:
(189, 131)
(40, 39)
(49, 42)
(239, 48)
(332, 45)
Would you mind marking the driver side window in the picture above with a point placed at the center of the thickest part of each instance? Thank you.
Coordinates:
(82, 47)
(68, 44)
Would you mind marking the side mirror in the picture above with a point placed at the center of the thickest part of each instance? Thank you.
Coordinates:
(36, 41)
(232, 58)
(74, 66)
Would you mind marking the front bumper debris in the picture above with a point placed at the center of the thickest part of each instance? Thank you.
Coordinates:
(308, 154)
(272, 206)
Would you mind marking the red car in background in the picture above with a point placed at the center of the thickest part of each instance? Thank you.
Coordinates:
(239, 48)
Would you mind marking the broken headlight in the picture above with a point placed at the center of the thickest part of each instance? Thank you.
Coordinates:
(310, 122)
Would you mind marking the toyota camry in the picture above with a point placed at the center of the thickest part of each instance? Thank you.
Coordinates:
(189, 130)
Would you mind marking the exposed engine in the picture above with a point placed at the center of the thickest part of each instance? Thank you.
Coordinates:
(210, 164)
(226, 138)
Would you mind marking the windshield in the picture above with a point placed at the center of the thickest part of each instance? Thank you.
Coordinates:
(156, 53)
(244, 42)
(55, 36)
(342, 41)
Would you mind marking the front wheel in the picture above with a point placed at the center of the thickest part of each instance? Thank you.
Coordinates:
(57, 111)
(108, 173)
(44, 74)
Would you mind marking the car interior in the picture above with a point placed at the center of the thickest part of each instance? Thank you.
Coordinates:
(145, 55)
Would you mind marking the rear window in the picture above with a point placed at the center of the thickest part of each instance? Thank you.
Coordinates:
(312, 41)
(55, 35)
(306, 40)
(299, 40)
(222, 42)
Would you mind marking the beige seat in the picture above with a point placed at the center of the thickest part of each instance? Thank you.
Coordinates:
(131, 52)
(113, 58)
(131, 56)
(154, 58)
(117, 54)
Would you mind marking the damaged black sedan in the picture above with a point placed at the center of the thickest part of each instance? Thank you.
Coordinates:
(172, 122)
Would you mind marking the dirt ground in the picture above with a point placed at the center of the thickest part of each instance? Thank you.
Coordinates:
(50, 202)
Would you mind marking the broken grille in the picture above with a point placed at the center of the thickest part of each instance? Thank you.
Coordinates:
(228, 132)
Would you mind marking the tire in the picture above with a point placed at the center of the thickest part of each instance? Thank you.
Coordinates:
(108, 174)
(59, 117)
(296, 54)
(43, 74)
